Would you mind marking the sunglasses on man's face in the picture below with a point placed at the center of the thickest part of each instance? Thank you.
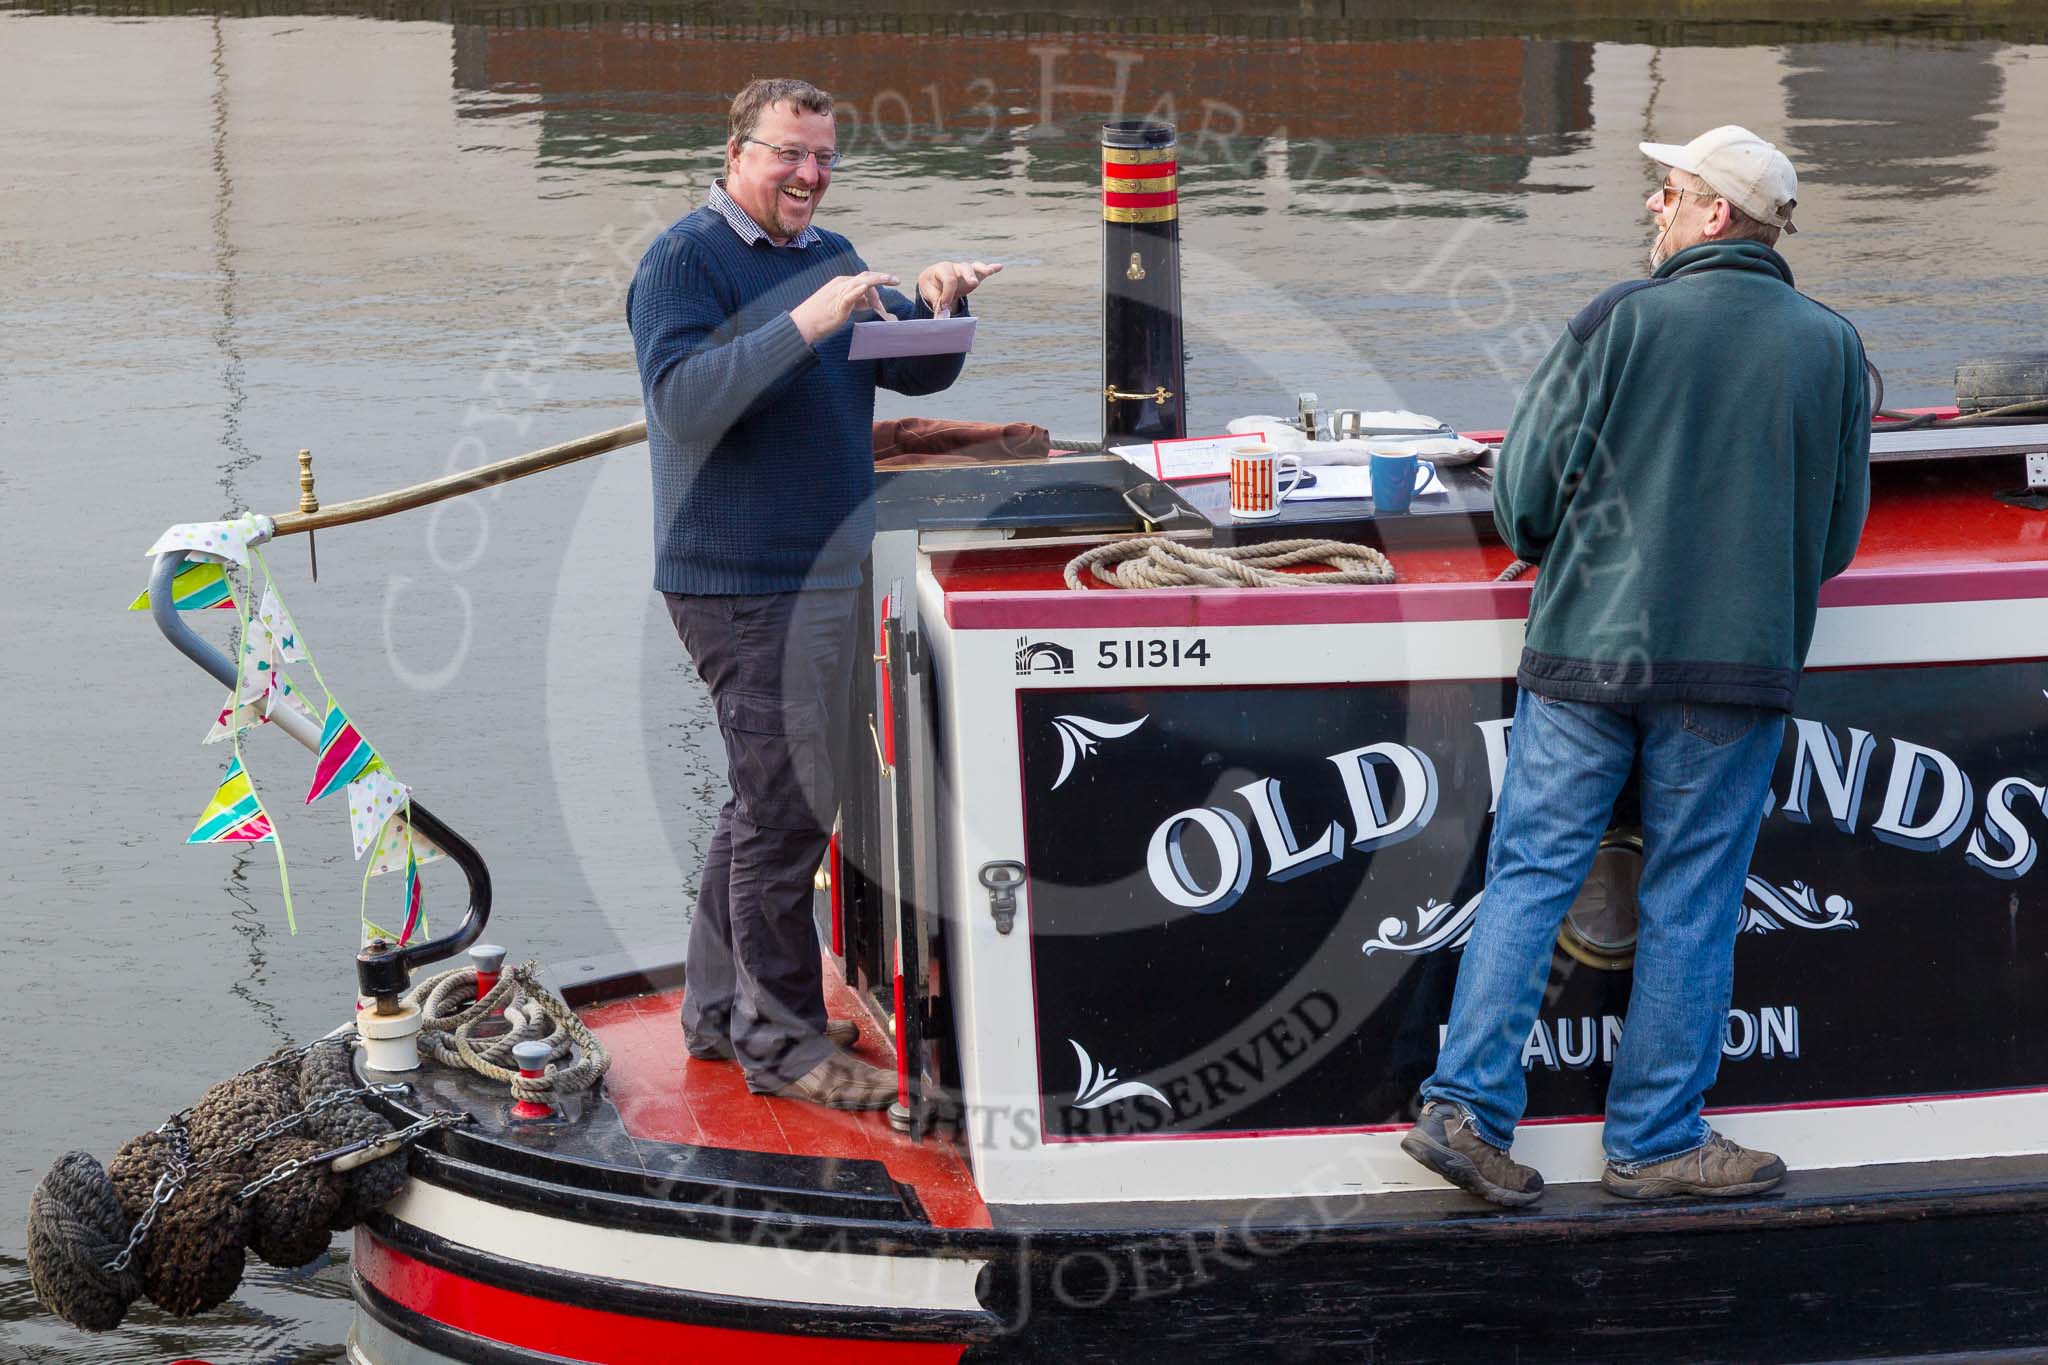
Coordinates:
(1674, 193)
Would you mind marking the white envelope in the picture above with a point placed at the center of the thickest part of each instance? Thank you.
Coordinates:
(919, 336)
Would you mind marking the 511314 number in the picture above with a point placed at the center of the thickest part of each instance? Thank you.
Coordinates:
(1152, 653)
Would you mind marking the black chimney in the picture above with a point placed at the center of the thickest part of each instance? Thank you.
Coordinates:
(1144, 378)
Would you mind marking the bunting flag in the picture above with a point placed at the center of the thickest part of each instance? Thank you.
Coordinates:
(285, 693)
(283, 630)
(259, 658)
(415, 920)
(221, 541)
(231, 719)
(258, 710)
(399, 838)
(374, 801)
(197, 585)
(344, 755)
(415, 899)
(235, 815)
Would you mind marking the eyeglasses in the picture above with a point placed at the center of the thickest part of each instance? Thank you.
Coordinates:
(794, 156)
(1675, 192)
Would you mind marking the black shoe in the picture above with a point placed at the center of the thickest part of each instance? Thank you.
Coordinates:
(1443, 1140)
(842, 1033)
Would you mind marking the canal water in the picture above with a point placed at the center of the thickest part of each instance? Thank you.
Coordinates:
(399, 236)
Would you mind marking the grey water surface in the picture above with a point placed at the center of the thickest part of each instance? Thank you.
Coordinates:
(399, 235)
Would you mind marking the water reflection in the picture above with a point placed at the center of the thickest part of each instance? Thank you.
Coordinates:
(650, 96)
(1914, 121)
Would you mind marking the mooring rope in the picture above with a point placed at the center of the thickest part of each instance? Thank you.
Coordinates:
(451, 1015)
(1159, 562)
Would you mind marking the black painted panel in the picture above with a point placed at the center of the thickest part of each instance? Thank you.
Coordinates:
(1868, 968)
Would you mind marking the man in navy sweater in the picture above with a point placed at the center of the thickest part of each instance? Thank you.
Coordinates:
(760, 431)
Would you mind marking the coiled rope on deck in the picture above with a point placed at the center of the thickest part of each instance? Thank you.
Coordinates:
(1160, 562)
(451, 1013)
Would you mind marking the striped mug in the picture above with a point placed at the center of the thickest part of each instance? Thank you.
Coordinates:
(1254, 480)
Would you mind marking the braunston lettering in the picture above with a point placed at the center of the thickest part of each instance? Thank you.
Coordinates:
(1575, 1044)
(1926, 806)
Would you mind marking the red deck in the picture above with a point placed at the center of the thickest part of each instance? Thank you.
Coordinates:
(1935, 533)
(665, 1095)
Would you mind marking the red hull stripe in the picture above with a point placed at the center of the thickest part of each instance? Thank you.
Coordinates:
(1140, 201)
(1151, 170)
(604, 1338)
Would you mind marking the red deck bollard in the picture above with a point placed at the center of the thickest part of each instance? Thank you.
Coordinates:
(489, 961)
(533, 1060)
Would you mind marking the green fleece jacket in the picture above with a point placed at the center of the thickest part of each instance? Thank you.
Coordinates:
(1687, 465)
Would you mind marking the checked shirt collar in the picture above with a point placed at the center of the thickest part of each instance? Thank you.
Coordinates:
(750, 231)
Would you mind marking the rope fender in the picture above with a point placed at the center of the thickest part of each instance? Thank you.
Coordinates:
(172, 1214)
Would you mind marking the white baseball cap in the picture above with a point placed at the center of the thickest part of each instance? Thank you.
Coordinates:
(1741, 167)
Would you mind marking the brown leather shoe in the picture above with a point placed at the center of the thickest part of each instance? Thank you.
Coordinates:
(1720, 1168)
(841, 1081)
(1443, 1140)
(838, 1032)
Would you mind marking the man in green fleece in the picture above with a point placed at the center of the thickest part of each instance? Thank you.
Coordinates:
(1686, 466)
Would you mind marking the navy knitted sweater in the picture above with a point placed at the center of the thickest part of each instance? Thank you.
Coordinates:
(762, 446)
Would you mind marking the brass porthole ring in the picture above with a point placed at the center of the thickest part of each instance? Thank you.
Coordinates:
(1600, 928)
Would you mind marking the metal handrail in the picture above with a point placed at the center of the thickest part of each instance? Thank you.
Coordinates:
(189, 643)
(455, 485)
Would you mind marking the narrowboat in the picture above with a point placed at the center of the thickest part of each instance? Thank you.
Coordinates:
(1153, 900)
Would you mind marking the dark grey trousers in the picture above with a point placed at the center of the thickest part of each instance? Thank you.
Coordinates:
(776, 666)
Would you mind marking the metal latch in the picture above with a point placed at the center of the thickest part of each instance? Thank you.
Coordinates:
(2037, 470)
(1002, 880)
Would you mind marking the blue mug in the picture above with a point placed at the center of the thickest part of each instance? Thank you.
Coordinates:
(1396, 474)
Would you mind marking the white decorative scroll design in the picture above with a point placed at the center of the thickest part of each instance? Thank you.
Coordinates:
(1439, 924)
(1079, 737)
(1797, 906)
(1099, 1087)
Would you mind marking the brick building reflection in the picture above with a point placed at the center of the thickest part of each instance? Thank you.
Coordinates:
(1457, 113)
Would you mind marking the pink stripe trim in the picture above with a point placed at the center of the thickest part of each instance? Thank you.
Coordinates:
(1948, 583)
(1051, 609)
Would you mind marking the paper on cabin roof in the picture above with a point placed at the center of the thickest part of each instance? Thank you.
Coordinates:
(1335, 482)
(1286, 437)
(1447, 450)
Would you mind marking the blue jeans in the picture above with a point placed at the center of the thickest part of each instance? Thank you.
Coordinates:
(1705, 773)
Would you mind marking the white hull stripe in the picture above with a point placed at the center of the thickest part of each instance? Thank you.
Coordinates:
(737, 1270)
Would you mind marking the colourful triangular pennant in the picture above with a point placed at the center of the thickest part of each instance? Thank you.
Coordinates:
(344, 755)
(197, 585)
(415, 898)
(235, 814)
(397, 835)
(278, 621)
(415, 892)
(374, 800)
(232, 719)
(221, 541)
